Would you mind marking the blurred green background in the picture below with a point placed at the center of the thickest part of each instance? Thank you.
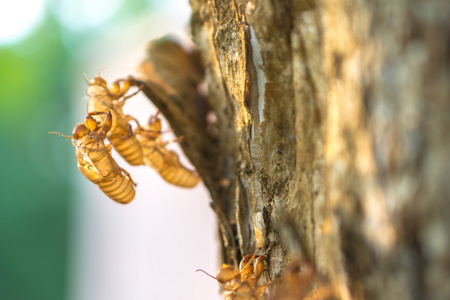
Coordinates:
(36, 67)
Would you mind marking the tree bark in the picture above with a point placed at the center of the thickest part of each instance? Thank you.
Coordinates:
(322, 136)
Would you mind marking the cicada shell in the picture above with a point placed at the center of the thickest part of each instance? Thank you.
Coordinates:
(112, 97)
(95, 160)
(241, 284)
(164, 161)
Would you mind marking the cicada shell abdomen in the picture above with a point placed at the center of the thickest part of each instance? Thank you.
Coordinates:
(129, 148)
(173, 172)
(164, 161)
(97, 164)
(119, 188)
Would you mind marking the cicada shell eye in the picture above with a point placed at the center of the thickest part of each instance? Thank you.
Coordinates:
(226, 273)
(98, 81)
(80, 131)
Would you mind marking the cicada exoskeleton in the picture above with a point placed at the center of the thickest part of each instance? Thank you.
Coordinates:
(241, 284)
(112, 97)
(95, 160)
(164, 161)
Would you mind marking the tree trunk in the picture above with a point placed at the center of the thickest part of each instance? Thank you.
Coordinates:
(322, 136)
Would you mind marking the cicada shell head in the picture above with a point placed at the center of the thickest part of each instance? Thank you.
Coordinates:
(100, 81)
(80, 131)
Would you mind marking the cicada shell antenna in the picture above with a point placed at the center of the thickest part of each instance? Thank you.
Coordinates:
(66, 136)
(200, 270)
(85, 78)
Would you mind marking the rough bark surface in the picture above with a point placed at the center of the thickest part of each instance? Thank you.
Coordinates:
(329, 137)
